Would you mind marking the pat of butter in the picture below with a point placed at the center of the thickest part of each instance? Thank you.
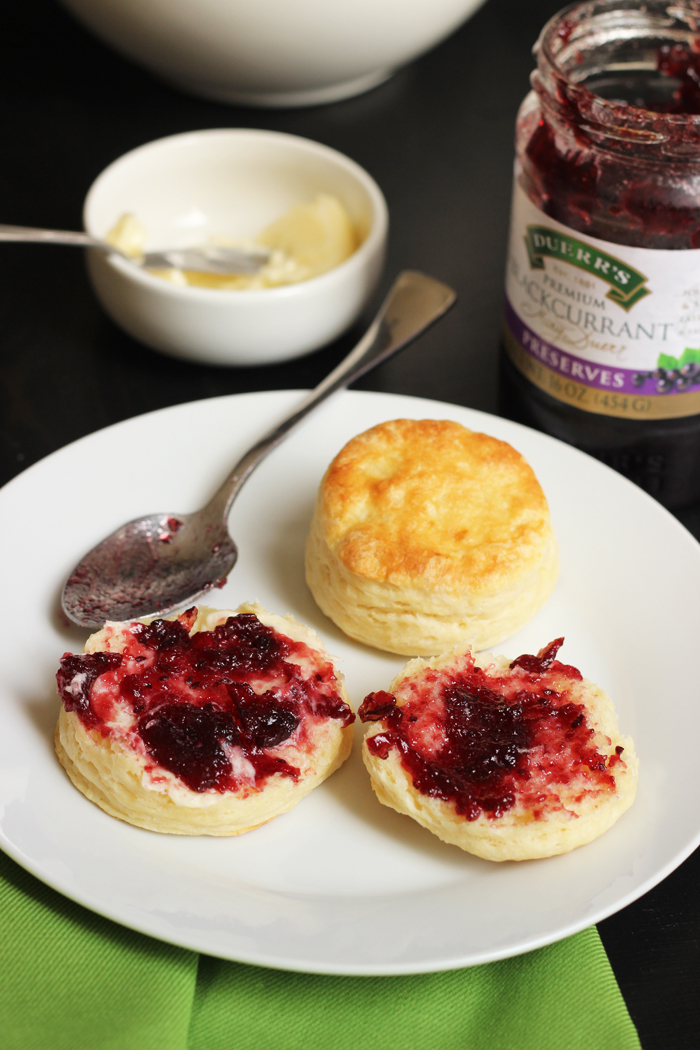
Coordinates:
(318, 236)
(128, 235)
(310, 239)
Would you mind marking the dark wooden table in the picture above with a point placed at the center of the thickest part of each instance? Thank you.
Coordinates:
(438, 138)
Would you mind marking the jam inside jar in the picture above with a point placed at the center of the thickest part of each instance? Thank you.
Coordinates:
(607, 186)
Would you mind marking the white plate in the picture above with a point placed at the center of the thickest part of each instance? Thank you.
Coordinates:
(342, 884)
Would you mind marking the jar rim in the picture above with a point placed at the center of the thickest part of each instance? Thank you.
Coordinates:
(561, 37)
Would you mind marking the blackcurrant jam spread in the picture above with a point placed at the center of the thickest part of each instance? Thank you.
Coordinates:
(208, 707)
(487, 739)
(602, 330)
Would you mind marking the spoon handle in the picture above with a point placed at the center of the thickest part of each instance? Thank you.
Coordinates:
(414, 302)
(207, 259)
(39, 236)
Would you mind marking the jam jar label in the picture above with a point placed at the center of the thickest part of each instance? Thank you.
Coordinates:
(602, 326)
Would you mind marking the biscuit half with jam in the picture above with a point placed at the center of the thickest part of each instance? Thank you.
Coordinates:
(209, 723)
(509, 760)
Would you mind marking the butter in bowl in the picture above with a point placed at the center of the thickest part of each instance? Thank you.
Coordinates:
(321, 219)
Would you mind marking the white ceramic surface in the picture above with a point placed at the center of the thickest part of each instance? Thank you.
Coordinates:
(232, 182)
(342, 884)
(273, 52)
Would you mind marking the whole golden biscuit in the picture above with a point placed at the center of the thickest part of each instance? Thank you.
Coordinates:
(426, 534)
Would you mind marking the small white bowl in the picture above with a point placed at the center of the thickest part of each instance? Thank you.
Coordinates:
(232, 183)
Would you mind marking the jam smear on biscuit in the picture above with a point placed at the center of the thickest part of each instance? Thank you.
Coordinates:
(209, 707)
(486, 740)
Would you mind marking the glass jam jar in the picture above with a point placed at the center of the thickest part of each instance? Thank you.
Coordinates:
(602, 328)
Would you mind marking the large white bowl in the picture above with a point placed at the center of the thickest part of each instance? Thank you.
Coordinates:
(273, 52)
(232, 183)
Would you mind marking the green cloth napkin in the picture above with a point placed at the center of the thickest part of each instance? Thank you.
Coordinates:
(72, 980)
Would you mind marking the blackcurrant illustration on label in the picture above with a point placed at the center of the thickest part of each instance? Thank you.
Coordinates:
(672, 374)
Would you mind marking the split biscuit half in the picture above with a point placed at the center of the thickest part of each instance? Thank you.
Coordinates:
(507, 760)
(210, 723)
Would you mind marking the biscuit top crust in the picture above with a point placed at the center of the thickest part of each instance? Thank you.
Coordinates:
(216, 708)
(431, 504)
(488, 739)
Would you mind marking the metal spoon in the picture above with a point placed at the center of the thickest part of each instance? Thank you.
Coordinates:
(205, 259)
(163, 562)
